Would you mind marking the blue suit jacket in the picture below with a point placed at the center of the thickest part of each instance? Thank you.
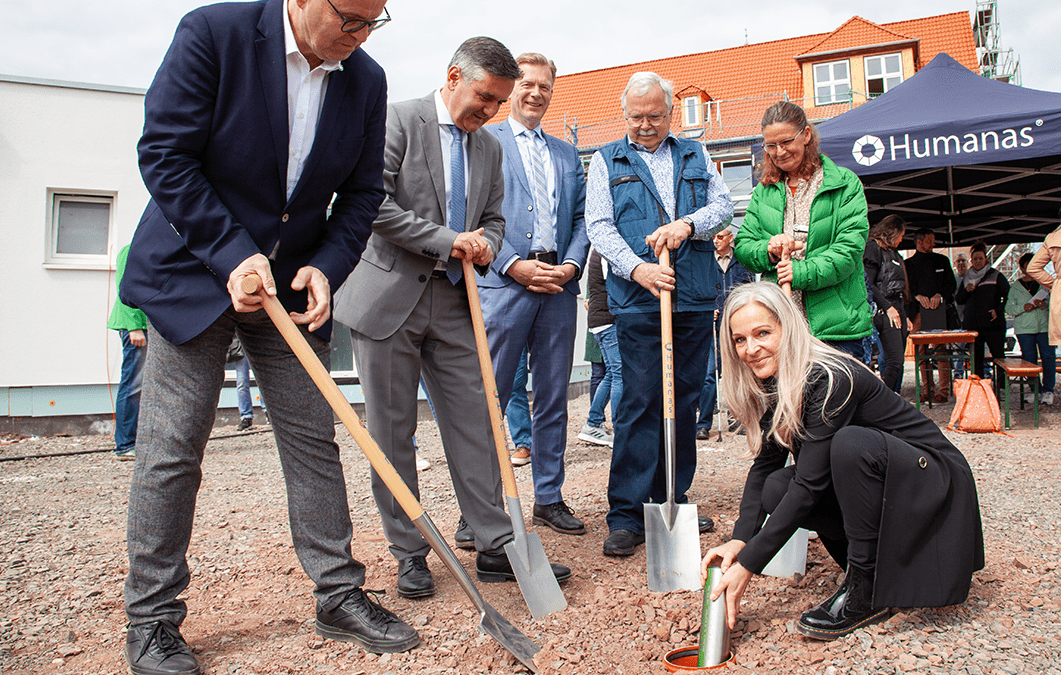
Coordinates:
(214, 158)
(520, 217)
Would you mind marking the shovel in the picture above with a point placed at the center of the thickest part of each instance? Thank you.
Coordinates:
(672, 535)
(490, 622)
(533, 572)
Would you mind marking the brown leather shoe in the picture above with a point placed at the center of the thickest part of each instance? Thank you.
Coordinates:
(520, 457)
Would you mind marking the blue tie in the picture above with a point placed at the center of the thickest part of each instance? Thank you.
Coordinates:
(457, 206)
(540, 185)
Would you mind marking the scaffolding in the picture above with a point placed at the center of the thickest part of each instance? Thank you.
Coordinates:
(995, 62)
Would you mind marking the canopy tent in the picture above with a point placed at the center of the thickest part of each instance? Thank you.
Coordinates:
(962, 154)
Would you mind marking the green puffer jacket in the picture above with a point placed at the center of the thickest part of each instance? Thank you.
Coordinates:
(831, 275)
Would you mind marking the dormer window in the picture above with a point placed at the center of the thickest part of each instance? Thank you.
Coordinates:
(692, 111)
(883, 73)
(832, 83)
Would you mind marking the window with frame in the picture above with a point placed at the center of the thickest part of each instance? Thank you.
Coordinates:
(79, 230)
(883, 73)
(832, 83)
(692, 107)
(737, 175)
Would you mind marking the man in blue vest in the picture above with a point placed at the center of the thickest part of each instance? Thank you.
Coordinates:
(646, 192)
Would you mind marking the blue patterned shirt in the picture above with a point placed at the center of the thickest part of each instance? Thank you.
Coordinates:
(708, 221)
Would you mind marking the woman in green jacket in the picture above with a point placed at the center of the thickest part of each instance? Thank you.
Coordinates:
(1031, 324)
(815, 211)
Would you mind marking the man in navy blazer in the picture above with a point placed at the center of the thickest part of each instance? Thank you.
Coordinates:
(529, 296)
(258, 115)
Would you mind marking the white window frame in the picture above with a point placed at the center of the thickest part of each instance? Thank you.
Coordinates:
(885, 75)
(746, 190)
(832, 83)
(53, 259)
(692, 111)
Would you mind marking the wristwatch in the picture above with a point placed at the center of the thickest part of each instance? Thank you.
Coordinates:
(689, 221)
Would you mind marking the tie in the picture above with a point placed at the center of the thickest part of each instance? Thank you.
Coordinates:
(457, 206)
(540, 185)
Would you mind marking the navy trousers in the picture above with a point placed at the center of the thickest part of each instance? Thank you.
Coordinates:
(638, 470)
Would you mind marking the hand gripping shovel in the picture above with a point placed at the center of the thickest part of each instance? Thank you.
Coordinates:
(490, 622)
(533, 572)
(672, 535)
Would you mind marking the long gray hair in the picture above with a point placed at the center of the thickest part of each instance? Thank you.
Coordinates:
(799, 352)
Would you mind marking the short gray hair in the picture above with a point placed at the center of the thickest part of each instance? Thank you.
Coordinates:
(641, 83)
(479, 54)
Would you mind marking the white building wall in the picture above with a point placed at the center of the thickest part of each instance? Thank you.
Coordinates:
(74, 138)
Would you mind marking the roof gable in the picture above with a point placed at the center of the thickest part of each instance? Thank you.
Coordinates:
(855, 33)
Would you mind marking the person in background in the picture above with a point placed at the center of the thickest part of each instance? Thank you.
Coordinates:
(893, 501)
(932, 285)
(887, 279)
(244, 400)
(984, 294)
(1031, 324)
(730, 274)
(601, 325)
(647, 192)
(807, 207)
(1050, 253)
(961, 266)
(131, 325)
(518, 417)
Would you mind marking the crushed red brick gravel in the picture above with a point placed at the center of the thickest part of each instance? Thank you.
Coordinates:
(62, 565)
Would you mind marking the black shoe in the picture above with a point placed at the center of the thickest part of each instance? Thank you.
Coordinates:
(359, 620)
(559, 517)
(703, 433)
(735, 426)
(245, 423)
(493, 567)
(705, 524)
(464, 536)
(621, 543)
(414, 579)
(849, 609)
(157, 648)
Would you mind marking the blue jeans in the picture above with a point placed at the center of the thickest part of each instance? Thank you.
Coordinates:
(517, 412)
(127, 400)
(852, 348)
(1030, 343)
(638, 469)
(243, 389)
(596, 375)
(709, 394)
(611, 387)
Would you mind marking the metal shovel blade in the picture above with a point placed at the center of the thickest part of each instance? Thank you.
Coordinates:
(532, 569)
(490, 622)
(672, 547)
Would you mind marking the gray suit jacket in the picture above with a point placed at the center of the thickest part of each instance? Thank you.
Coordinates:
(410, 233)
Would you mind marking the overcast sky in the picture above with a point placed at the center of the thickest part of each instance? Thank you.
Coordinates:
(121, 42)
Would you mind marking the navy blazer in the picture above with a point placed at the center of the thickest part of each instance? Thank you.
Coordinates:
(520, 217)
(214, 159)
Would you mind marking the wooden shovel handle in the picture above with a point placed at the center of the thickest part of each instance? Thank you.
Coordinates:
(493, 402)
(787, 286)
(251, 284)
(667, 341)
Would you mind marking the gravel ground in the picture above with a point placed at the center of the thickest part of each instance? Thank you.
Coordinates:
(62, 565)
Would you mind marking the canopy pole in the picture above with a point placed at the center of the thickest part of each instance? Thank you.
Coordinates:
(950, 213)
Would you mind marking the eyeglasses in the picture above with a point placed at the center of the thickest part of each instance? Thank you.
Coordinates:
(772, 148)
(356, 25)
(654, 120)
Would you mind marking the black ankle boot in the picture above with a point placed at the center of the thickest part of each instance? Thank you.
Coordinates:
(849, 609)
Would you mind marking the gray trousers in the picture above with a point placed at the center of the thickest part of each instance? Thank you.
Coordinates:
(436, 341)
(182, 384)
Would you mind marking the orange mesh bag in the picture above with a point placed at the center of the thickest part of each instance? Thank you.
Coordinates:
(975, 408)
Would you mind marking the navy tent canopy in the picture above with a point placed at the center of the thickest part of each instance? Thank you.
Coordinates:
(968, 156)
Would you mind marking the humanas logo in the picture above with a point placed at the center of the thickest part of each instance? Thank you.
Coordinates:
(869, 149)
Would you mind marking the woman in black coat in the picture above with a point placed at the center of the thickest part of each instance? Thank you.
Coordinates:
(886, 276)
(984, 293)
(892, 500)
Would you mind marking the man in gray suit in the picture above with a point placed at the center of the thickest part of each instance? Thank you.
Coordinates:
(407, 305)
(530, 294)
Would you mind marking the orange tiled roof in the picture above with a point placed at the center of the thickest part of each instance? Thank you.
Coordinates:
(855, 33)
(741, 76)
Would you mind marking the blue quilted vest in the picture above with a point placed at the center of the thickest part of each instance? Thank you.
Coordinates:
(639, 212)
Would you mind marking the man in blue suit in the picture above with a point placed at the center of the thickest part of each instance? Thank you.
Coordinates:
(529, 296)
(258, 115)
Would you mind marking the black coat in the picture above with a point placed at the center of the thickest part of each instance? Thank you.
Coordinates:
(990, 294)
(931, 540)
